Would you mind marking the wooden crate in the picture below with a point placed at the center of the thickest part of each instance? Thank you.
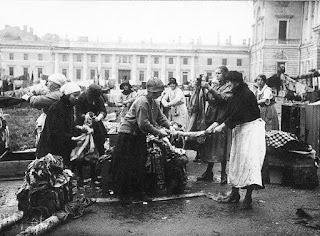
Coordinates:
(313, 126)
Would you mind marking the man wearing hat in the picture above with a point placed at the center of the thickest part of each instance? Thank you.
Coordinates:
(45, 98)
(175, 100)
(59, 127)
(130, 153)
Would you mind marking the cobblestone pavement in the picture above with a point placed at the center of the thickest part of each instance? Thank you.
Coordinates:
(8, 199)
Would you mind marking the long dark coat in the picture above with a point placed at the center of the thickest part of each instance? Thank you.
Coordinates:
(58, 130)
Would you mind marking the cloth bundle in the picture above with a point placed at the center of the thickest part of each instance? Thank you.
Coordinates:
(46, 187)
(276, 138)
(85, 149)
(166, 167)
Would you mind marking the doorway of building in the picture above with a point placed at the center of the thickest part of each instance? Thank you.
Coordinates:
(123, 75)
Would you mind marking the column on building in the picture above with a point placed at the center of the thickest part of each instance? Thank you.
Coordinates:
(316, 13)
(114, 67)
(71, 72)
(178, 68)
(56, 62)
(134, 79)
(99, 70)
(163, 68)
(85, 66)
(149, 72)
(309, 25)
(192, 68)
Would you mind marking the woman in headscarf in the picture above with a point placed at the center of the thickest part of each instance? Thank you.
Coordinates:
(127, 97)
(217, 146)
(266, 102)
(175, 100)
(248, 147)
(59, 127)
(130, 153)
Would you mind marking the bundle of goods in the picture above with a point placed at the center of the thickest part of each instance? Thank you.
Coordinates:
(46, 187)
(166, 167)
(296, 158)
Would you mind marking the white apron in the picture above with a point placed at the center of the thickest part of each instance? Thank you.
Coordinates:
(247, 154)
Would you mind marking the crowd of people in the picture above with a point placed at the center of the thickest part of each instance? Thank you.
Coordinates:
(232, 118)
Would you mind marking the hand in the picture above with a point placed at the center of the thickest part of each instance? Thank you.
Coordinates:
(98, 118)
(218, 129)
(173, 131)
(163, 133)
(204, 84)
(211, 127)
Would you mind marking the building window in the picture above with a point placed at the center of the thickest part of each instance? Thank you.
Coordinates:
(11, 71)
(141, 75)
(239, 62)
(11, 57)
(25, 56)
(124, 59)
(64, 57)
(185, 61)
(224, 62)
(156, 61)
(209, 61)
(92, 74)
(93, 58)
(40, 57)
(107, 59)
(185, 77)
(39, 72)
(209, 74)
(78, 74)
(79, 59)
(64, 72)
(141, 60)
(106, 74)
(156, 74)
(25, 71)
(282, 30)
(171, 60)
(170, 75)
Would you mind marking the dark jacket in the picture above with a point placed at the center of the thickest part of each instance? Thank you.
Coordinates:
(58, 130)
(242, 107)
(85, 105)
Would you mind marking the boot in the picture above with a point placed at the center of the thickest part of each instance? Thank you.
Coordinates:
(234, 197)
(206, 176)
(247, 203)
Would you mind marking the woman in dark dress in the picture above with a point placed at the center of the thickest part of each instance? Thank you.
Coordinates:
(130, 153)
(59, 128)
(90, 106)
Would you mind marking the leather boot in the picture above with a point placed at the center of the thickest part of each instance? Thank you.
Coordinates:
(246, 204)
(234, 197)
(206, 176)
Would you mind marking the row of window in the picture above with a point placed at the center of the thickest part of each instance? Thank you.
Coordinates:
(127, 59)
(25, 71)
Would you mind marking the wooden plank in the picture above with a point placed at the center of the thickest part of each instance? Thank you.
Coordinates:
(157, 199)
(13, 168)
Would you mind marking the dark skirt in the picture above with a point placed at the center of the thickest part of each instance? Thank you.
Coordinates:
(128, 163)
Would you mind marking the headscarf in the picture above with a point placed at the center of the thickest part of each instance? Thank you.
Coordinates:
(70, 88)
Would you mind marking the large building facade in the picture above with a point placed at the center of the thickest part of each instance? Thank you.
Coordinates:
(83, 60)
(285, 32)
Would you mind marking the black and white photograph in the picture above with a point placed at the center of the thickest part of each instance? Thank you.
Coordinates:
(159, 118)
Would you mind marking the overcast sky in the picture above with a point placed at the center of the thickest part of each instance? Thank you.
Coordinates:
(133, 21)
